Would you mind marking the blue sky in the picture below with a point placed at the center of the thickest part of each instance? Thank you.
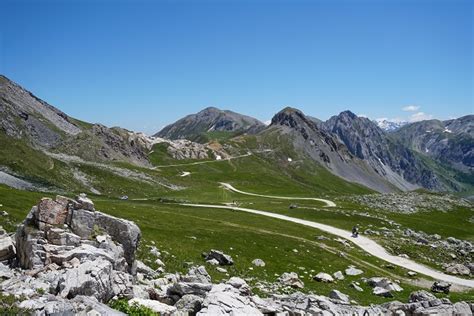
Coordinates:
(143, 64)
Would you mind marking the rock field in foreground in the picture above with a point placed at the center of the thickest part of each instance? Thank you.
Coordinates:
(66, 258)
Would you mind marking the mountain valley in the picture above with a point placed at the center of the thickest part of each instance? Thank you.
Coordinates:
(227, 185)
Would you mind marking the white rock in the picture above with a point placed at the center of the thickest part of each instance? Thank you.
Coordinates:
(258, 263)
(224, 299)
(338, 275)
(351, 270)
(291, 279)
(154, 251)
(323, 277)
(213, 262)
(337, 295)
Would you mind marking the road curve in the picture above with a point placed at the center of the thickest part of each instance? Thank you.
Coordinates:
(202, 162)
(364, 243)
(230, 187)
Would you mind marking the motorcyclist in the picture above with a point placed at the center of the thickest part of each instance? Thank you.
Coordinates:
(355, 231)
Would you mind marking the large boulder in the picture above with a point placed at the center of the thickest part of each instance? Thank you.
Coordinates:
(71, 252)
(7, 249)
(72, 223)
(458, 268)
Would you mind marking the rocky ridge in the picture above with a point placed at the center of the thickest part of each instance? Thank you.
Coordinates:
(325, 148)
(387, 157)
(450, 142)
(67, 258)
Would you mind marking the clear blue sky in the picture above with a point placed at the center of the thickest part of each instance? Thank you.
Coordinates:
(143, 64)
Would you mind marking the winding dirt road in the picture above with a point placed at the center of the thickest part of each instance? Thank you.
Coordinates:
(231, 188)
(364, 243)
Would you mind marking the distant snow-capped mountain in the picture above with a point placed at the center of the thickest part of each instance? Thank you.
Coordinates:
(389, 126)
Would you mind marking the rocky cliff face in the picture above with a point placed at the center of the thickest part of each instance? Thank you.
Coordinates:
(327, 149)
(386, 156)
(449, 142)
(193, 127)
(25, 116)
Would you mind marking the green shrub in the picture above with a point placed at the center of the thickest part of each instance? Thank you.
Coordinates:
(131, 310)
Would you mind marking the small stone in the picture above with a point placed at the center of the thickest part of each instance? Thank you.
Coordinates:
(291, 279)
(213, 262)
(356, 287)
(221, 257)
(337, 295)
(351, 270)
(258, 263)
(221, 270)
(380, 291)
(338, 275)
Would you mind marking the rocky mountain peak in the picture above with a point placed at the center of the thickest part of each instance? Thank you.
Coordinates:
(196, 127)
(348, 114)
(293, 118)
(210, 109)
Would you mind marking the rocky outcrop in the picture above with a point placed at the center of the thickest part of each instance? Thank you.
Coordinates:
(69, 250)
(25, 116)
(388, 157)
(448, 142)
(56, 231)
(324, 147)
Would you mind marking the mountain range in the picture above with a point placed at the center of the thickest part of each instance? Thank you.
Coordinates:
(435, 155)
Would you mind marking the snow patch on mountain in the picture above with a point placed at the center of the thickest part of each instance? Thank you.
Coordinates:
(389, 125)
